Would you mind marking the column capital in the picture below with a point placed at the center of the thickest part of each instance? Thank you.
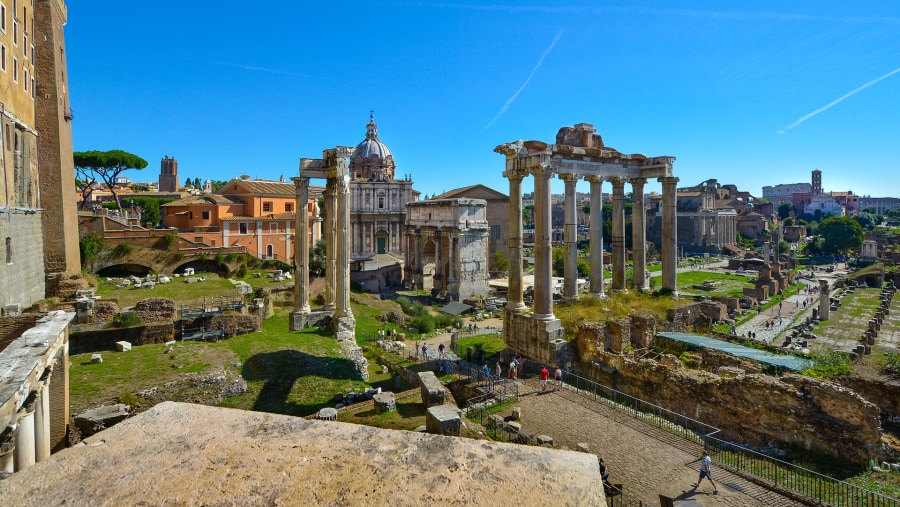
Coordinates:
(541, 170)
(668, 179)
(300, 182)
(594, 178)
(569, 177)
(638, 181)
(516, 173)
(617, 181)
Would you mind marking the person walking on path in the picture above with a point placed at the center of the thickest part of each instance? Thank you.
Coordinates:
(499, 370)
(557, 376)
(441, 349)
(545, 375)
(425, 351)
(706, 471)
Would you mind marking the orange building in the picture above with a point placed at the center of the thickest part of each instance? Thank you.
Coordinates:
(256, 214)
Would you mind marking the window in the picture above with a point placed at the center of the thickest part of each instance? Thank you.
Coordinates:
(495, 232)
(288, 207)
(206, 215)
(267, 207)
(2, 18)
(198, 239)
(242, 227)
(273, 228)
(16, 70)
(381, 203)
(212, 242)
(191, 215)
(15, 33)
(2, 57)
(8, 250)
(25, 81)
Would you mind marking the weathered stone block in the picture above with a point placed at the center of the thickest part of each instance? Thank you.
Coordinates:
(495, 421)
(385, 402)
(94, 420)
(443, 420)
(545, 440)
(123, 346)
(432, 390)
(517, 413)
(327, 414)
(96, 358)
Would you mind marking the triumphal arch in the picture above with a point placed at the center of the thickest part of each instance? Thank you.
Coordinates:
(333, 167)
(579, 153)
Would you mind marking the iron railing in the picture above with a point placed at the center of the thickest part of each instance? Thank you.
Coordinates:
(757, 467)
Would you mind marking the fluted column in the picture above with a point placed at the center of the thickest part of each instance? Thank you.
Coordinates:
(342, 257)
(543, 254)
(570, 239)
(596, 231)
(618, 233)
(638, 234)
(25, 449)
(669, 233)
(330, 237)
(515, 300)
(42, 420)
(301, 246)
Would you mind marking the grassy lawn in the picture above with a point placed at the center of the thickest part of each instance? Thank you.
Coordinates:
(409, 415)
(845, 326)
(492, 345)
(724, 283)
(616, 305)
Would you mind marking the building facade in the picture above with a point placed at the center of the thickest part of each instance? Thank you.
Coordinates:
(377, 200)
(258, 215)
(497, 216)
(168, 174)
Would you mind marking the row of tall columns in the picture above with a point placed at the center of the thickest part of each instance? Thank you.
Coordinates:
(29, 442)
(543, 289)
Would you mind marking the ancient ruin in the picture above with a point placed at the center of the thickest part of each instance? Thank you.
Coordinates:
(578, 153)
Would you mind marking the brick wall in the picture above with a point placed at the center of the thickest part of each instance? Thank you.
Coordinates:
(23, 278)
(11, 328)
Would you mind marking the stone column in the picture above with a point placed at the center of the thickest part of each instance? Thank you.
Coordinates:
(301, 246)
(596, 231)
(42, 420)
(618, 233)
(515, 300)
(330, 226)
(25, 448)
(420, 264)
(7, 450)
(638, 234)
(342, 257)
(669, 234)
(452, 293)
(570, 239)
(439, 276)
(824, 300)
(543, 254)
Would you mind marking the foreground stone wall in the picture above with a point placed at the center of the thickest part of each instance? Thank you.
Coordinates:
(296, 462)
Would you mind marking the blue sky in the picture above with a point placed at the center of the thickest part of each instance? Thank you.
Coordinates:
(749, 93)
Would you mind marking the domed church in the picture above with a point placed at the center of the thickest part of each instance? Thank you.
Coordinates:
(377, 213)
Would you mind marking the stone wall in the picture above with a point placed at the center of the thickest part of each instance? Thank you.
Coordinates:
(105, 339)
(753, 409)
(154, 310)
(12, 327)
(22, 270)
(537, 339)
(883, 392)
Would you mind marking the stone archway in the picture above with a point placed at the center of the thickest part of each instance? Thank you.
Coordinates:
(429, 267)
(382, 241)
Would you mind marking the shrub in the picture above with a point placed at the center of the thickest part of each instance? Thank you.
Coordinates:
(891, 364)
(123, 249)
(170, 239)
(90, 245)
(830, 363)
(126, 319)
(423, 323)
(241, 271)
(129, 399)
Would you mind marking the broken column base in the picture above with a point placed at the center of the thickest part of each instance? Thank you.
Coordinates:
(535, 338)
(302, 320)
(443, 420)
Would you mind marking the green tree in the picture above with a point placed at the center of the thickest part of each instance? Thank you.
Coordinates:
(500, 263)
(218, 184)
(107, 166)
(840, 234)
(784, 210)
(197, 183)
(317, 258)
(188, 182)
(867, 221)
(789, 221)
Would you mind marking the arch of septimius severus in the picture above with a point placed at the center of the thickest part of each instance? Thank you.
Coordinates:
(578, 153)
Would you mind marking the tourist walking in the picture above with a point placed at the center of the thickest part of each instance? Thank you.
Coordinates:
(441, 349)
(706, 471)
(425, 351)
(417, 349)
(557, 376)
(499, 370)
(545, 375)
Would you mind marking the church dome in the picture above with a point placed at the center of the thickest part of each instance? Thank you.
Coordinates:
(372, 159)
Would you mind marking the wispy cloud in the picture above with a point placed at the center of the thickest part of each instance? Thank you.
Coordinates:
(261, 69)
(528, 80)
(838, 100)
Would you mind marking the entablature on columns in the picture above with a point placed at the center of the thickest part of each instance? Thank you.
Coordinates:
(335, 162)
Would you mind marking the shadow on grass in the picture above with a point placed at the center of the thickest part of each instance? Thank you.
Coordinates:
(280, 371)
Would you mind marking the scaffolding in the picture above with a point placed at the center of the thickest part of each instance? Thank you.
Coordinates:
(211, 312)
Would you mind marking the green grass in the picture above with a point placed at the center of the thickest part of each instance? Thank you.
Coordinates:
(177, 290)
(492, 345)
(726, 283)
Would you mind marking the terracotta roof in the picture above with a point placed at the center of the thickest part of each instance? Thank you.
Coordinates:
(268, 187)
(205, 199)
(467, 192)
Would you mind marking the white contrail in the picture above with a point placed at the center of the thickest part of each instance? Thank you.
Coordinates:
(261, 69)
(837, 101)
(536, 67)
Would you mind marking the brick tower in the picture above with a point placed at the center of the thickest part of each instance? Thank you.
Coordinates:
(168, 174)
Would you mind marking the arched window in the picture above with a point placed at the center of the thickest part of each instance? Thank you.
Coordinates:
(8, 250)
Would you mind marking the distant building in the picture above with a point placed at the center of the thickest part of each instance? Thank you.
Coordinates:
(168, 174)
(784, 193)
(706, 219)
(880, 204)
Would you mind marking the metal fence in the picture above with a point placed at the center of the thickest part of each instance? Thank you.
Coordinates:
(755, 466)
